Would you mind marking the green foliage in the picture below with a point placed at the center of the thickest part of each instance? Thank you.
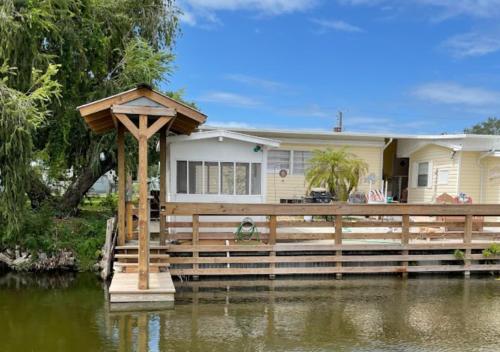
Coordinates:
(21, 113)
(86, 50)
(459, 254)
(492, 250)
(337, 170)
(490, 126)
(42, 231)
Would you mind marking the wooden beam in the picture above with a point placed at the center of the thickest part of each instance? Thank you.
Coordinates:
(331, 209)
(163, 181)
(159, 123)
(338, 242)
(467, 241)
(405, 239)
(143, 204)
(121, 184)
(142, 110)
(131, 127)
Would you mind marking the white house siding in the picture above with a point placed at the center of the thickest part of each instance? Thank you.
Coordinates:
(213, 150)
(470, 176)
(440, 159)
(295, 186)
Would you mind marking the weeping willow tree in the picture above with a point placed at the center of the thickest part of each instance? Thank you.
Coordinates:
(339, 171)
(21, 114)
(100, 47)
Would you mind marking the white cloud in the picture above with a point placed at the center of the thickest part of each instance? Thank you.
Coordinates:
(312, 110)
(449, 8)
(229, 124)
(453, 93)
(230, 99)
(207, 9)
(258, 82)
(472, 44)
(336, 25)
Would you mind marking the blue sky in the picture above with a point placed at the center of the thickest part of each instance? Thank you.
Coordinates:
(406, 66)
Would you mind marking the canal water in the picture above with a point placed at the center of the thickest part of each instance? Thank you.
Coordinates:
(70, 313)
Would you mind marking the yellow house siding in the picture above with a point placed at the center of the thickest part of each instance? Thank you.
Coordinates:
(470, 176)
(295, 186)
(491, 180)
(440, 158)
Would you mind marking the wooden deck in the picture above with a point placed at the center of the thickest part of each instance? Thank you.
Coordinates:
(124, 288)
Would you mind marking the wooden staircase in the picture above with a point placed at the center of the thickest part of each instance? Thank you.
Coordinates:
(127, 258)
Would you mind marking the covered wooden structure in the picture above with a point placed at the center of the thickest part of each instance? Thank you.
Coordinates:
(142, 112)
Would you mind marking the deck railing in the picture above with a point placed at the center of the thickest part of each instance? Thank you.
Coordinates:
(342, 238)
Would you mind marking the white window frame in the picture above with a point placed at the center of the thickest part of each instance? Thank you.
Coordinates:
(430, 174)
(290, 161)
(219, 164)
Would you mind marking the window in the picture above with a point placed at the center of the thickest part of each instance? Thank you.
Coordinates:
(242, 178)
(277, 160)
(195, 177)
(255, 178)
(211, 177)
(423, 174)
(227, 178)
(181, 176)
(300, 162)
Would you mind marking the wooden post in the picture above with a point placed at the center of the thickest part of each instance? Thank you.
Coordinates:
(130, 220)
(196, 242)
(143, 204)
(338, 242)
(163, 182)
(121, 184)
(467, 241)
(405, 239)
(273, 228)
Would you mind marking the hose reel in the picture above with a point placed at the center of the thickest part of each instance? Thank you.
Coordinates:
(247, 230)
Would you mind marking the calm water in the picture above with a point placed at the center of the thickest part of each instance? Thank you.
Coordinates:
(70, 313)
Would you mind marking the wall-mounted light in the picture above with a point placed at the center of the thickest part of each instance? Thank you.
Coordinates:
(257, 148)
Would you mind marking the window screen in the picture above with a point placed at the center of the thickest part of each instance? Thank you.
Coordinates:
(242, 178)
(301, 162)
(227, 178)
(423, 174)
(195, 177)
(277, 160)
(256, 178)
(181, 176)
(211, 177)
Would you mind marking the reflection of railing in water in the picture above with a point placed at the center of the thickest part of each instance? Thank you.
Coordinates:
(414, 239)
(263, 315)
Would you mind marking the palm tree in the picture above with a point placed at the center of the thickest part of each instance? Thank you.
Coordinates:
(336, 170)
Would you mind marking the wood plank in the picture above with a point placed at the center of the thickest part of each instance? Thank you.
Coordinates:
(131, 127)
(467, 240)
(143, 205)
(312, 259)
(332, 209)
(155, 127)
(163, 182)
(286, 247)
(142, 110)
(120, 140)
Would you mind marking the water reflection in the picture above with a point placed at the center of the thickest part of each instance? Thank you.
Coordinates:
(353, 314)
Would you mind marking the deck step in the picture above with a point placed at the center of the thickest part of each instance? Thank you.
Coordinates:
(136, 247)
(135, 256)
(121, 264)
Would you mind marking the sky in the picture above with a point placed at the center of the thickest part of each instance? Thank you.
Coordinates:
(400, 66)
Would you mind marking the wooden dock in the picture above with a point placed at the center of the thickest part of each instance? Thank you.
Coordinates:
(196, 240)
(124, 288)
